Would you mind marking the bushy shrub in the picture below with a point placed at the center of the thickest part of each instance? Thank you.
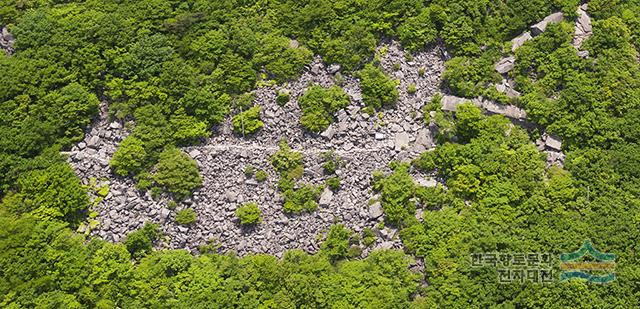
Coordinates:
(318, 106)
(283, 97)
(129, 158)
(411, 88)
(186, 216)
(249, 214)
(247, 122)
(302, 199)
(51, 193)
(418, 31)
(333, 183)
(187, 129)
(336, 245)
(378, 90)
(177, 173)
(249, 170)
(331, 162)
(286, 162)
(397, 191)
(368, 236)
(140, 242)
(261, 175)
(244, 101)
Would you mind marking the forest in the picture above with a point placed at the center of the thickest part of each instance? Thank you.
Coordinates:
(178, 69)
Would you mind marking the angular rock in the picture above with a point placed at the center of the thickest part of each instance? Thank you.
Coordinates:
(553, 143)
(326, 197)
(450, 103)
(505, 64)
(115, 125)
(401, 141)
(195, 153)
(519, 41)
(423, 138)
(375, 211)
(93, 141)
(329, 132)
(333, 69)
(379, 136)
(540, 27)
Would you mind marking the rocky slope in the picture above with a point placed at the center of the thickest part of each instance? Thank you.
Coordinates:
(365, 143)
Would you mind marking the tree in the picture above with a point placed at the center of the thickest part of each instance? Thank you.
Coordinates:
(140, 242)
(130, 157)
(378, 90)
(51, 193)
(336, 245)
(177, 173)
(318, 106)
(247, 122)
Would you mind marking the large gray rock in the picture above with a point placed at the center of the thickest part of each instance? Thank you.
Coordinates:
(505, 64)
(401, 141)
(519, 40)
(450, 103)
(375, 211)
(93, 141)
(329, 132)
(553, 143)
(540, 27)
(326, 197)
(583, 28)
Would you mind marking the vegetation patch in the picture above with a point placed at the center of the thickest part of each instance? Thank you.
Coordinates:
(319, 106)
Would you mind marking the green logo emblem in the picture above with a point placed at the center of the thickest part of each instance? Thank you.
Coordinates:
(599, 268)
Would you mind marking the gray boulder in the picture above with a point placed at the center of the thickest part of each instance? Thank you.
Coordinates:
(505, 64)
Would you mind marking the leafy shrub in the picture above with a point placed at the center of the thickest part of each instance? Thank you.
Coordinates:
(177, 173)
(336, 245)
(425, 162)
(286, 161)
(244, 101)
(249, 170)
(411, 88)
(287, 62)
(318, 106)
(331, 162)
(187, 129)
(247, 122)
(186, 217)
(249, 214)
(261, 175)
(129, 158)
(378, 90)
(397, 191)
(139, 243)
(51, 193)
(302, 199)
(417, 32)
(333, 183)
(283, 97)
(368, 236)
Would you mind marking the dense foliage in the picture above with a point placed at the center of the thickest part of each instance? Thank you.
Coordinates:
(247, 122)
(378, 90)
(249, 214)
(319, 105)
(177, 173)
